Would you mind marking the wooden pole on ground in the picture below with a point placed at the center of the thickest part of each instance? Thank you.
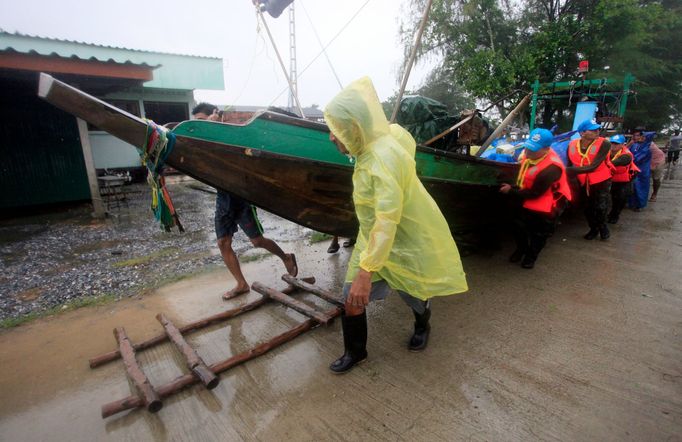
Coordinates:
(295, 304)
(188, 379)
(309, 287)
(194, 362)
(148, 396)
(202, 323)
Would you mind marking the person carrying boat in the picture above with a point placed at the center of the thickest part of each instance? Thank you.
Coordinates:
(543, 188)
(624, 169)
(640, 147)
(588, 161)
(404, 243)
(232, 211)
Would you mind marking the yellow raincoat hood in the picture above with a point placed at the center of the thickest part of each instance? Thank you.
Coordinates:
(403, 238)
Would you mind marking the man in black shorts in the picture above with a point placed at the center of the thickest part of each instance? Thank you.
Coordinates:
(232, 211)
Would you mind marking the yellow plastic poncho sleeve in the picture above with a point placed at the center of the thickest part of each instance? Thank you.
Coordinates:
(403, 237)
(382, 204)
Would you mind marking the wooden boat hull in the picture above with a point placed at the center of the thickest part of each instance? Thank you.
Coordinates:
(289, 167)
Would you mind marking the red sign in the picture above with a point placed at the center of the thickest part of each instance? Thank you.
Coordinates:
(584, 66)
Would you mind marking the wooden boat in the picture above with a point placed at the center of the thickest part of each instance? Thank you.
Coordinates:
(289, 167)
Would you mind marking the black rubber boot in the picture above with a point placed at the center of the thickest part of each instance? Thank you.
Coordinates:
(422, 329)
(604, 233)
(354, 343)
(517, 255)
(528, 261)
(592, 234)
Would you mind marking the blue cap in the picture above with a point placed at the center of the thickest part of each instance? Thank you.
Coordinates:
(617, 139)
(588, 125)
(538, 139)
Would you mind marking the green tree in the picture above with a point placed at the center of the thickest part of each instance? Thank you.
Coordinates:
(492, 47)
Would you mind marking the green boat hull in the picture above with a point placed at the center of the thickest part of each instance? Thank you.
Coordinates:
(289, 167)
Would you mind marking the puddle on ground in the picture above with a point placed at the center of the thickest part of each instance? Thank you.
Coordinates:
(45, 363)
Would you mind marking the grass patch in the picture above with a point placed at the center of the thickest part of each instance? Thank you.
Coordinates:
(86, 301)
(13, 322)
(253, 257)
(319, 237)
(166, 280)
(146, 258)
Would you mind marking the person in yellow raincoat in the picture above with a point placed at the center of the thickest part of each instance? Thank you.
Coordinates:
(404, 243)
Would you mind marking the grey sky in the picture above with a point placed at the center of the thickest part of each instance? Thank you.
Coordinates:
(227, 29)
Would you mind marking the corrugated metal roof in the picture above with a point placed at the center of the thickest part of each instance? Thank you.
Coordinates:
(174, 71)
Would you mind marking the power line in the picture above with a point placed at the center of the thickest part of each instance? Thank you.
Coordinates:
(324, 48)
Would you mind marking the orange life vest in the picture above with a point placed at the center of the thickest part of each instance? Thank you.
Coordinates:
(548, 201)
(601, 173)
(623, 174)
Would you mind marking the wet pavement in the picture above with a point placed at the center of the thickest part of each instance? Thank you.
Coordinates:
(586, 346)
(52, 260)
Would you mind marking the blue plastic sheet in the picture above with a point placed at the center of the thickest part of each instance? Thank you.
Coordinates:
(499, 157)
(640, 185)
(584, 110)
(559, 145)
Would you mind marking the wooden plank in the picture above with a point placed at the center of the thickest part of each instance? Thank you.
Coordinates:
(97, 204)
(295, 304)
(197, 325)
(194, 362)
(148, 396)
(118, 123)
(188, 379)
(310, 287)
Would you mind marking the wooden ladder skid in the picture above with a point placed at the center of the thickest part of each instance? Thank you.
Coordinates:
(200, 372)
(194, 362)
(148, 395)
(197, 325)
(309, 287)
(305, 309)
(186, 380)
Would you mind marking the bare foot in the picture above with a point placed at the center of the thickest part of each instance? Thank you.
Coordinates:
(290, 264)
(239, 290)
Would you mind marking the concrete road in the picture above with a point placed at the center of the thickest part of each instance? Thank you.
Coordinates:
(586, 346)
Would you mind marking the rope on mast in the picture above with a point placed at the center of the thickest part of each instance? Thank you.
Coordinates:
(325, 47)
(324, 50)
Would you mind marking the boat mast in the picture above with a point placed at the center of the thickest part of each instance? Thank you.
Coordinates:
(281, 62)
(293, 92)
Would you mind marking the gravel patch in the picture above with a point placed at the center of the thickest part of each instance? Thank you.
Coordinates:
(52, 260)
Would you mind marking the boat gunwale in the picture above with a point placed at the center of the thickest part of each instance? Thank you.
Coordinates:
(321, 127)
(276, 155)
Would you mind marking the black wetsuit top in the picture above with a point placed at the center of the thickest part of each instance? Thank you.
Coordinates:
(542, 182)
(622, 160)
